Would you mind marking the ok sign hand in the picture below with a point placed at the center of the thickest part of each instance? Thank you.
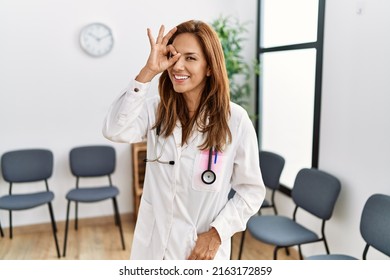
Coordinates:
(161, 57)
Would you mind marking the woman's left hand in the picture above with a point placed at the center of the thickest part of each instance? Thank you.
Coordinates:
(206, 246)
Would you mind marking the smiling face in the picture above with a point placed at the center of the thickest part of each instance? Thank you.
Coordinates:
(189, 73)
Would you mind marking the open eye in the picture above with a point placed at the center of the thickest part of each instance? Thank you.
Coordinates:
(190, 58)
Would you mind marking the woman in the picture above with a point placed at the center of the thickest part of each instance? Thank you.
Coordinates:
(199, 146)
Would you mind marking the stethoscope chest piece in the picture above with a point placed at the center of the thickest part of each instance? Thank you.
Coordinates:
(208, 177)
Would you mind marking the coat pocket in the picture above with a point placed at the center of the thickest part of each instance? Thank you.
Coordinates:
(201, 164)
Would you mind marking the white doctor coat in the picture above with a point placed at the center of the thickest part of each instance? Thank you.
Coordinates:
(176, 205)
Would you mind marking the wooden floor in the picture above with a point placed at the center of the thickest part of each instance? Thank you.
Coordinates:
(99, 239)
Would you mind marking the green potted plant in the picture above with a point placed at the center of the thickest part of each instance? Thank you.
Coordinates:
(231, 33)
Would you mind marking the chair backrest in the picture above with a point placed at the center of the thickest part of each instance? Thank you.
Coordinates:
(316, 191)
(28, 165)
(375, 222)
(271, 165)
(92, 161)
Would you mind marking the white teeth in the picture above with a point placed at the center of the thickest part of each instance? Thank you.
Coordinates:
(181, 77)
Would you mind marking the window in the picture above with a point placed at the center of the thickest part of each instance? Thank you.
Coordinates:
(290, 52)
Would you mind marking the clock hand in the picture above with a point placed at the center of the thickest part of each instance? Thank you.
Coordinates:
(93, 35)
(107, 35)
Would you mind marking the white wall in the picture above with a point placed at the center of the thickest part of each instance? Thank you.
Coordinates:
(53, 95)
(355, 117)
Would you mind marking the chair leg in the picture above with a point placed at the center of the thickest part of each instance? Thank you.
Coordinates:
(118, 218)
(53, 223)
(276, 252)
(364, 257)
(326, 246)
(66, 229)
(76, 221)
(115, 216)
(1, 231)
(10, 224)
(300, 252)
(241, 244)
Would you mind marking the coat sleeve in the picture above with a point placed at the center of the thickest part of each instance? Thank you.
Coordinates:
(127, 118)
(246, 181)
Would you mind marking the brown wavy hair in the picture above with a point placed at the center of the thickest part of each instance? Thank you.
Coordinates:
(211, 116)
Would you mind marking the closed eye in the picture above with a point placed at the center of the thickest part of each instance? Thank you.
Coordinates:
(190, 58)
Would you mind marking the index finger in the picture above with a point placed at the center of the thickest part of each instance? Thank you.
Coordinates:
(150, 36)
(169, 35)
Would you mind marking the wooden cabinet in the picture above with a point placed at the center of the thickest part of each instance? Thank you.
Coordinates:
(138, 151)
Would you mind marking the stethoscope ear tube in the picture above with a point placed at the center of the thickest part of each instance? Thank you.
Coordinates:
(208, 176)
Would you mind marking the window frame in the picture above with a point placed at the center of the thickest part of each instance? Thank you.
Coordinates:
(318, 45)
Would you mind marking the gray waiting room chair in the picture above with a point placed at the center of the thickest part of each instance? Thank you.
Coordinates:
(314, 191)
(374, 228)
(31, 166)
(271, 166)
(92, 162)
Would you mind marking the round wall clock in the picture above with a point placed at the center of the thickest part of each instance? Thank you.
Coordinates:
(96, 39)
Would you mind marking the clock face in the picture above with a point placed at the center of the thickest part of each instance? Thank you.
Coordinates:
(96, 39)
